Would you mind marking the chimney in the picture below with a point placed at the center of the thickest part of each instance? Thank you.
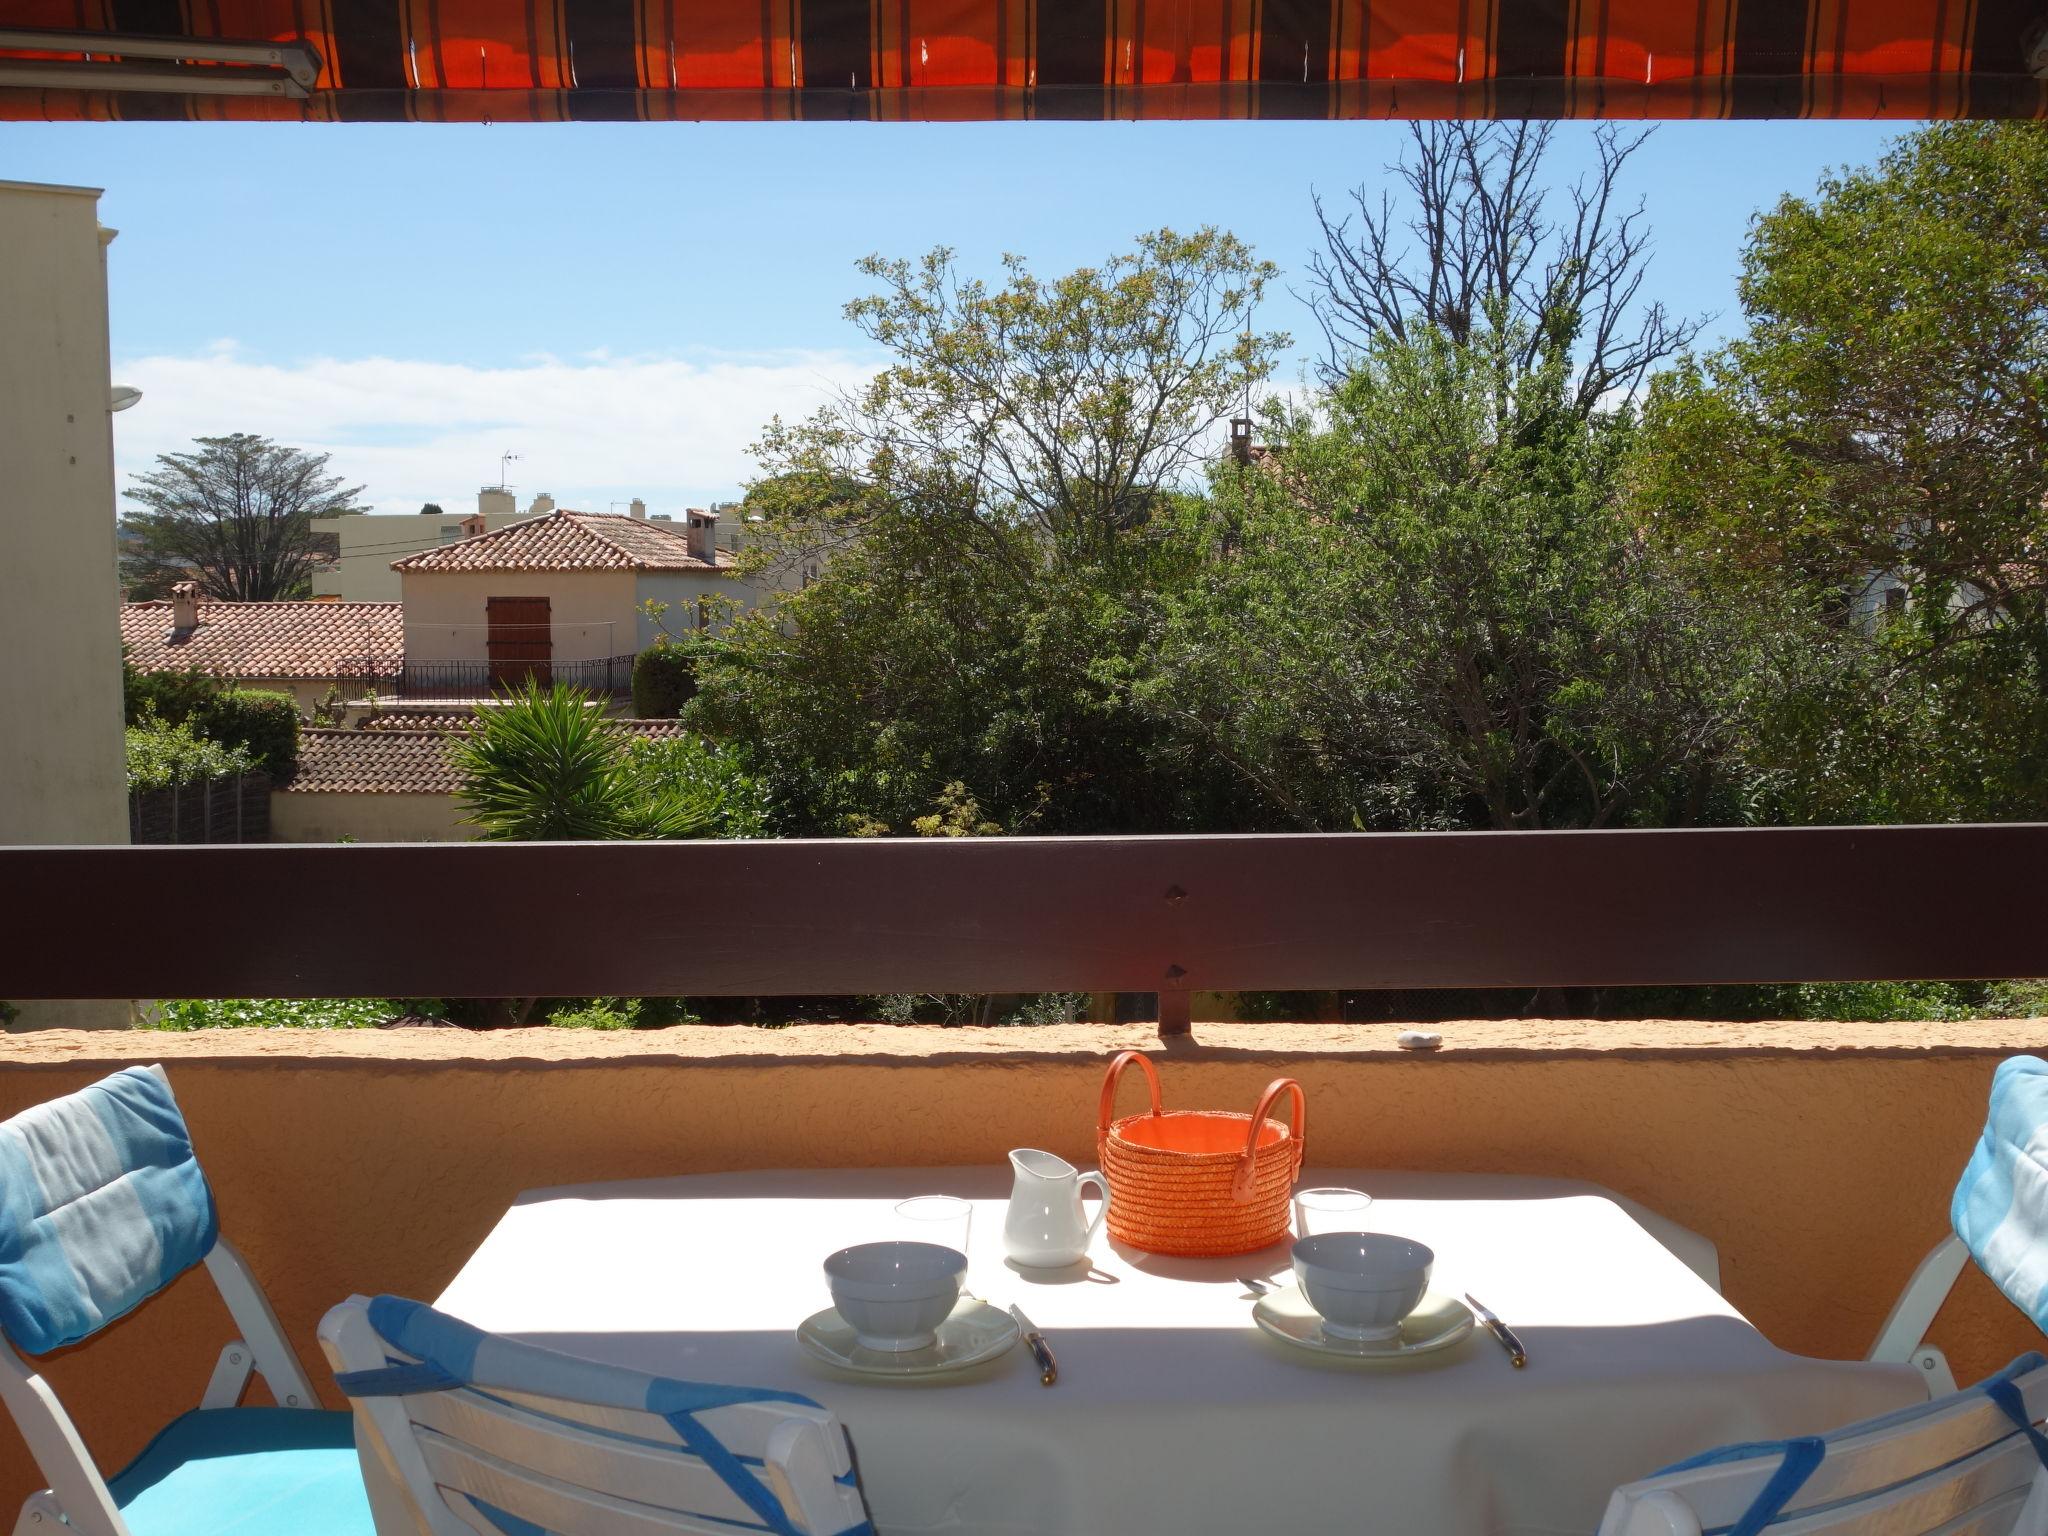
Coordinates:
(1241, 439)
(185, 605)
(543, 504)
(496, 501)
(474, 524)
(639, 510)
(703, 535)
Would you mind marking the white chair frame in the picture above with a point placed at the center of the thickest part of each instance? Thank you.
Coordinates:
(566, 1464)
(1957, 1470)
(1903, 1338)
(78, 1498)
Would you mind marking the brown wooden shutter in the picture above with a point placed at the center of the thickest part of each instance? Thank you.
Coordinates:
(521, 640)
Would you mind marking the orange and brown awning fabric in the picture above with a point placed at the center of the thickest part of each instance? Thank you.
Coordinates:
(606, 60)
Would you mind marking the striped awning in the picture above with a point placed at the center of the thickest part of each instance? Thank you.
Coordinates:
(610, 60)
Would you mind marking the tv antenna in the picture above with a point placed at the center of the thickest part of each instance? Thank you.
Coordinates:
(503, 459)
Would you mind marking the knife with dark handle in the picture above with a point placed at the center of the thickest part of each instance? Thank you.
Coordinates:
(1517, 1356)
(1048, 1368)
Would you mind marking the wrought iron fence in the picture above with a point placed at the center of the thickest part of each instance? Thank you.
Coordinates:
(610, 676)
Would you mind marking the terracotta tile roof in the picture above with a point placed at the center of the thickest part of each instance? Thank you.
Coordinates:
(264, 640)
(568, 541)
(445, 720)
(442, 720)
(373, 763)
(404, 761)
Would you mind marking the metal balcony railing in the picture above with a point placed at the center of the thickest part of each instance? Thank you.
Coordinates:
(607, 676)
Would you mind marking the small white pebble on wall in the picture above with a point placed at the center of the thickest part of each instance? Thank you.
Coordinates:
(1418, 1040)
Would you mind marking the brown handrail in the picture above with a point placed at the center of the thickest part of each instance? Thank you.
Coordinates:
(1138, 914)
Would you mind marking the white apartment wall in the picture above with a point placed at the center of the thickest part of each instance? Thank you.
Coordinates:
(62, 774)
(370, 542)
(680, 590)
(592, 612)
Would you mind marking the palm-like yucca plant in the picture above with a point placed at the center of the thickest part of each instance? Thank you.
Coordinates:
(544, 766)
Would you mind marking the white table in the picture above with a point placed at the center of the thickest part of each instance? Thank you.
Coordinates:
(1173, 1413)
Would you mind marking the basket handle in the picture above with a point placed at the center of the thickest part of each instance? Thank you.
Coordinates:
(1247, 1165)
(1116, 1070)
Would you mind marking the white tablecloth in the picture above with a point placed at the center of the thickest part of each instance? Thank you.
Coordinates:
(1173, 1414)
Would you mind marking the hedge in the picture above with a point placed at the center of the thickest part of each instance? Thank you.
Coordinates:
(664, 680)
(265, 724)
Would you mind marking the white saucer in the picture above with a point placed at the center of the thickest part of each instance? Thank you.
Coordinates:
(1439, 1322)
(975, 1332)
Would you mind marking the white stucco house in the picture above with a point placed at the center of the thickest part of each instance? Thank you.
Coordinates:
(560, 596)
(364, 544)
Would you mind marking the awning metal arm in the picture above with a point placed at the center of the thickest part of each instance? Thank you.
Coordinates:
(193, 65)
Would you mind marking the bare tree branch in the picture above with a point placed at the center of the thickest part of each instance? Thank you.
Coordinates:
(1469, 244)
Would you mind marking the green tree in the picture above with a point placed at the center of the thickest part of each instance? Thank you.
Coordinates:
(235, 515)
(1886, 416)
(431, 509)
(1433, 613)
(545, 766)
(987, 527)
(1060, 410)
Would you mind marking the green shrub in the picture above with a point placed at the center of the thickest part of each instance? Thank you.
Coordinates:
(707, 775)
(664, 680)
(2017, 1000)
(597, 1013)
(266, 724)
(281, 1013)
(974, 1008)
(1878, 1001)
(167, 695)
(616, 1012)
(543, 765)
(161, 755)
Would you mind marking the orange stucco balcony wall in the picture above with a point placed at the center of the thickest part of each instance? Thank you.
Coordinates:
(1819, 1158)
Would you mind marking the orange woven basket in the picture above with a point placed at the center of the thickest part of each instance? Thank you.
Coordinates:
(1199, 1182)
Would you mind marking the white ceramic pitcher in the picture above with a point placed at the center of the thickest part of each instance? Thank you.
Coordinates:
(1045, 1227)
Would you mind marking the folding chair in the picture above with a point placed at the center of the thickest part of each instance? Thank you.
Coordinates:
(102, 1204)
(1999, 1217)
(1967, 1465)
(491, 1437)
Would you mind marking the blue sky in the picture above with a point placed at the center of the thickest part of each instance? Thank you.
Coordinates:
(625, 305)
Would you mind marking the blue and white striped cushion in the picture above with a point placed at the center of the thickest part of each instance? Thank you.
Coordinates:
(2000, 1210)
(101, 1205)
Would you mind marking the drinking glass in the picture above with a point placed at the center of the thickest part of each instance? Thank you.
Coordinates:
(942, 1219)
(1317, 1211)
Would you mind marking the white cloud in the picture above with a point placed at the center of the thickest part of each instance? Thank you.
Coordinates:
(672, 429)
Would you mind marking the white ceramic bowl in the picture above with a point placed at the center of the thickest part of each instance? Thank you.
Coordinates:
(1363, 1283)
(895, 1295)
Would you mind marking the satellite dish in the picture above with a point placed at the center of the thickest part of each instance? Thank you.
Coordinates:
(121, 396)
